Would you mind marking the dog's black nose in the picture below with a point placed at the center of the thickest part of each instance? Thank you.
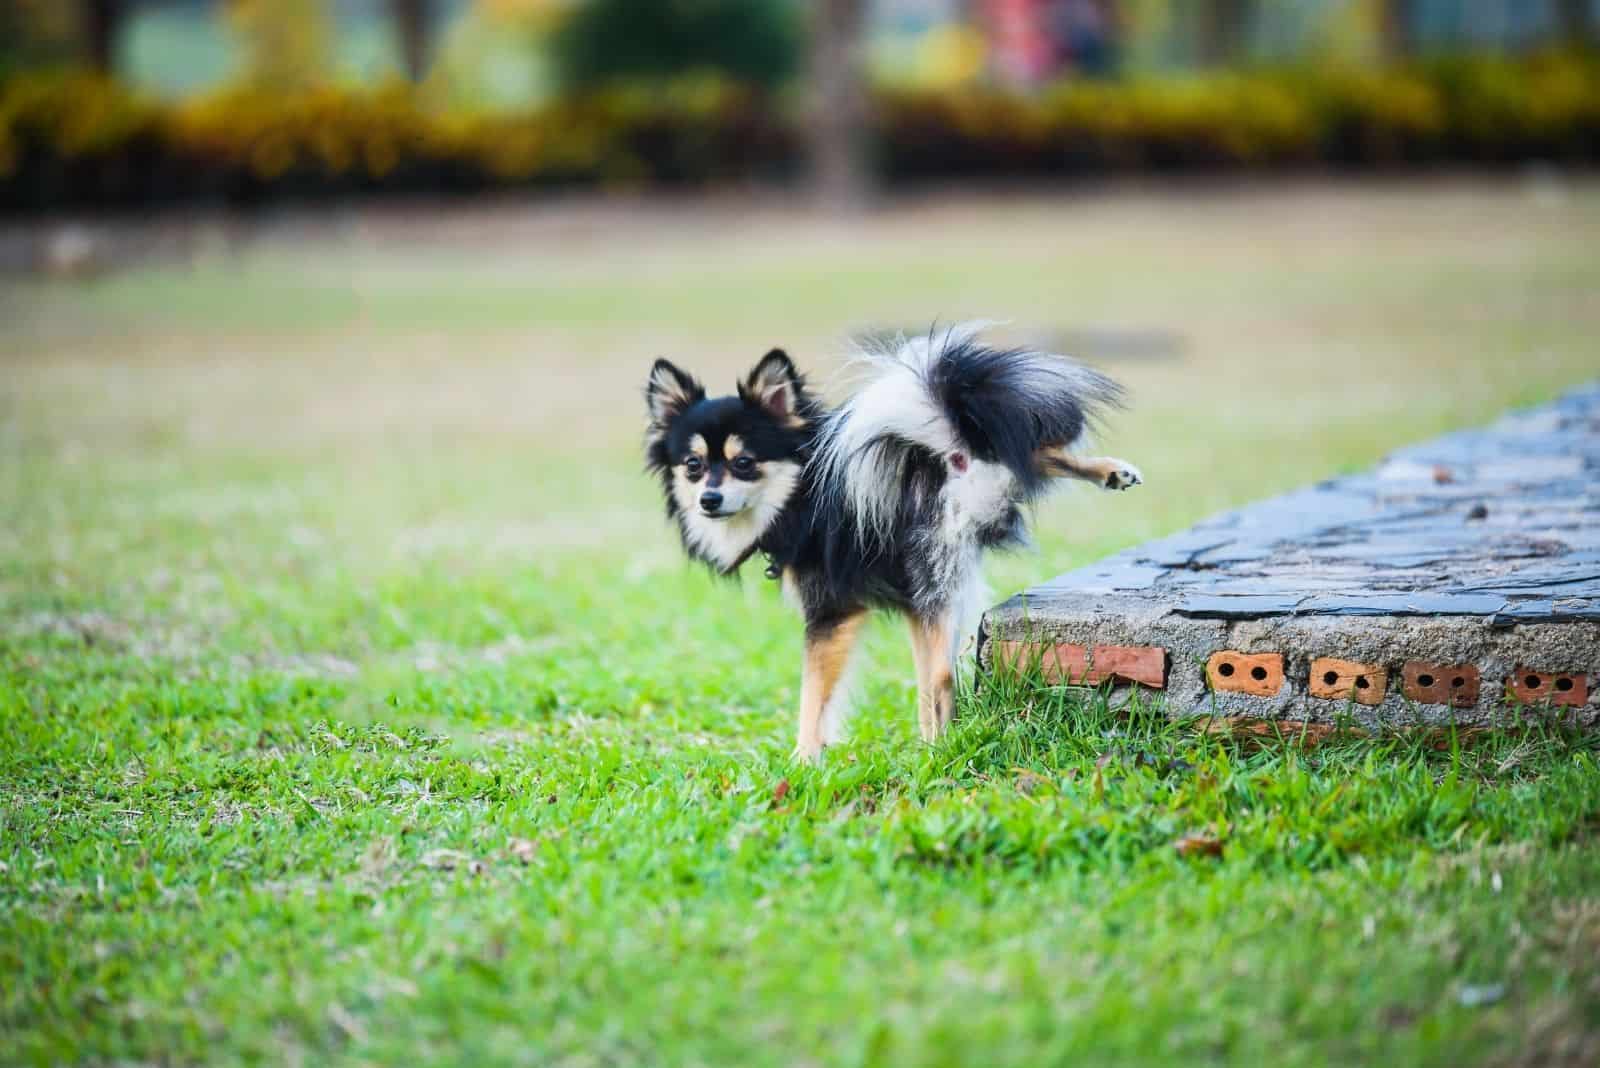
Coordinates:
(711, 501)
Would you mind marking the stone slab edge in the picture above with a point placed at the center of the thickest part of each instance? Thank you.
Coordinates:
(1500, 653)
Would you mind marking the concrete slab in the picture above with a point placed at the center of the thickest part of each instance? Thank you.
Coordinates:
(1459, 582)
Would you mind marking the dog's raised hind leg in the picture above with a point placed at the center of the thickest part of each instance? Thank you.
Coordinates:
(828, 647)
(1107, 472)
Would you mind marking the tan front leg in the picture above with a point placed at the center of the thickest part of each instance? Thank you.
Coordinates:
(827, 654)
(930, 649)
(1107, 472)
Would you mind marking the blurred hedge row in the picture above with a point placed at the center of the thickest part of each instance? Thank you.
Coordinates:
(73, 139)
(1465, 110)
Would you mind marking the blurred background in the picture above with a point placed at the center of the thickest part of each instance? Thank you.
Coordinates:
(133, 103)
(302, 299)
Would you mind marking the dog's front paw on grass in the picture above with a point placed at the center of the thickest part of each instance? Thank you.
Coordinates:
(808, 754)
(1123, 476)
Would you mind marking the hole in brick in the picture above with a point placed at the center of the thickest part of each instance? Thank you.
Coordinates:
(1458, 681)
(1361, 682)
(1563, 684)
(1427, 680)
(1330, 677)
(1531, 682)
(1258, 673)
(1225, 669)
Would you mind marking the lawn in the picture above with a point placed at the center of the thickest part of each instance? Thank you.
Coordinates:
(356, 704)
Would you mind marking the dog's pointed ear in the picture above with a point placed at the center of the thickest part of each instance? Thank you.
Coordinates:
(669, 392)
(775, 385)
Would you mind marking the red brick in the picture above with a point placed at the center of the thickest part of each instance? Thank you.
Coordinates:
(1446, 684)
(1143, 664)
(1333, 679)
(1077, 665)
(1566, 688)
(1257, 674)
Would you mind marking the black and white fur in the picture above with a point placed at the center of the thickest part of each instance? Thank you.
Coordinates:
(887, 501)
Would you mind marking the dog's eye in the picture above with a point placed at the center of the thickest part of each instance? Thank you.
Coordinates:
(692, 465)
(744, 465)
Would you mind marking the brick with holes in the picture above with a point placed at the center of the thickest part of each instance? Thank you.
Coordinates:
(1567, 689)
(1256, 674)
(1455, 685)
(1333, 679)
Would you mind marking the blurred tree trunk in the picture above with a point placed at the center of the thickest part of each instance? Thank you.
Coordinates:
(413, 27)
(1224, 31)
(1118, 23)
(1398, 41)
(1577, 21)
(839, 167)
(102, 19)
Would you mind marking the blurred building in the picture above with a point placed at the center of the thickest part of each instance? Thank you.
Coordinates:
(1034, 41)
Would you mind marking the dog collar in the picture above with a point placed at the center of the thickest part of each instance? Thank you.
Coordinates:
(773, 571)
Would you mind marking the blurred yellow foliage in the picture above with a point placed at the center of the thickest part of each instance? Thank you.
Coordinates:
(71, 116)
(951, 55)
(80, 131)
(287, 42)
(541, 14)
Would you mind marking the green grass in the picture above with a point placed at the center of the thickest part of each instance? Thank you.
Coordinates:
(355, 704)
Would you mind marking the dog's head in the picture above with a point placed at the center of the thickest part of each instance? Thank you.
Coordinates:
(729, 464)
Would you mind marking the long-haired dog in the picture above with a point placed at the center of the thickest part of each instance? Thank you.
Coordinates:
(887, 501)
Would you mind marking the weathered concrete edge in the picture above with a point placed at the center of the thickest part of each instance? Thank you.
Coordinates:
(1497, 652)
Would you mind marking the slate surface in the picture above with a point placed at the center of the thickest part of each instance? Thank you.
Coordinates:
(1501, 523)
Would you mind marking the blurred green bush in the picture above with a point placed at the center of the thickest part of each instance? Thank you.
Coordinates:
(74, 139)
(606, 42)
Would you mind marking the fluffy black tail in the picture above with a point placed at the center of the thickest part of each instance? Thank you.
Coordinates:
(950, 395)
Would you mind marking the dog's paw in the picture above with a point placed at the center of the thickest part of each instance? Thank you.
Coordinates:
(809, 754)
(1123, 476)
